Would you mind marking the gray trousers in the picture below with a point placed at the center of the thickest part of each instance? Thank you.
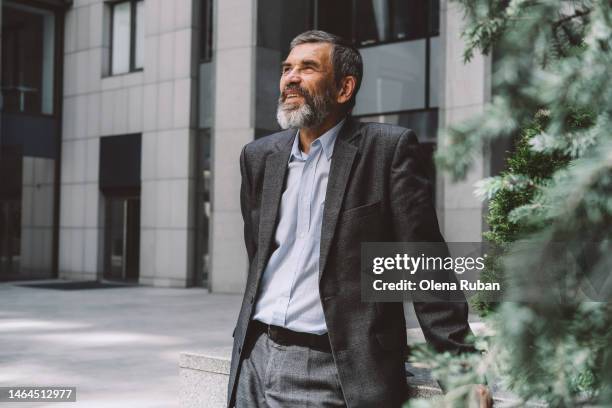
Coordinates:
(285, 376)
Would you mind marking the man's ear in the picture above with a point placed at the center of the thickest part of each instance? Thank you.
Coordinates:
(347, 89)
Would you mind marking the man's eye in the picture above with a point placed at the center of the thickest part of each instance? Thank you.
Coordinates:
(308, 70)
(284, 70)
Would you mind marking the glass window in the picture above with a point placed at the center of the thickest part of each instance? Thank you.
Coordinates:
(397, 39)
(369, 22)
(206, 21)
(372, 21)
(29, 141)
(435, 74)
(206, 95)
(27, 200)
(11, 190)
(279, 21)
(10, 239)
(28, 52)
(127, 36)
(335, 17)
(393, 78)
(122, 238)
(121, 38)
(203, 208)
(434, 17)
(139, 36)
(409, 19)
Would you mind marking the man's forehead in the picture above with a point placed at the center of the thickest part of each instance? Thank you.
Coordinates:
(309, 51)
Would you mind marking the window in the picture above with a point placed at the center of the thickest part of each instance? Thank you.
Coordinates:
(398, 40)
(127, 36)
(28, 56)
(370, 22)
(203, 208)
(278, 21)
(400, 49)
(335, 17)
(393, 78)
(206, 20)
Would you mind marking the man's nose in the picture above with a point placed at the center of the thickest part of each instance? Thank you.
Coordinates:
(293, 76)
(290, 79)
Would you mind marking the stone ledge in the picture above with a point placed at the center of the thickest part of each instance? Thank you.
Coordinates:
(208, 362)
(204, 376)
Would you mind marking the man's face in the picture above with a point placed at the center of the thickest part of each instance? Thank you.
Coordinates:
(307, 88)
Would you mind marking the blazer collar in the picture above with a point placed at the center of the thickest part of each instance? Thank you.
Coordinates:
(348, 132)
(327, 140)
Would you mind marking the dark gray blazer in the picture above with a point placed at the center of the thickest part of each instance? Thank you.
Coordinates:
(376, 191)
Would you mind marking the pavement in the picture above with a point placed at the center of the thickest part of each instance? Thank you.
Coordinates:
(118, 346)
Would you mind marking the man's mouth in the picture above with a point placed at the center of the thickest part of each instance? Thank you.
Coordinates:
(292, 95)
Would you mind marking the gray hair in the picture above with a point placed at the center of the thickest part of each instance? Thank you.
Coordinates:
(346, 59)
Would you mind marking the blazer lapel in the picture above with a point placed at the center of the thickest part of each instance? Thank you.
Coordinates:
(341, 164)
(274, 178)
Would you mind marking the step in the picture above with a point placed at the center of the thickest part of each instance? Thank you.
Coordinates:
(204, 376)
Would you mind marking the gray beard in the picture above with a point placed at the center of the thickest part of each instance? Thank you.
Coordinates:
(311, 114)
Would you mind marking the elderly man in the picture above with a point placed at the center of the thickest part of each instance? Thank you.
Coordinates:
(309, 196)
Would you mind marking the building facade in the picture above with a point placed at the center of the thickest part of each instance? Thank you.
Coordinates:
(122, 124)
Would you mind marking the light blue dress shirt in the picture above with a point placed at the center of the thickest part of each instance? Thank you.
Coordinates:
(289, 294)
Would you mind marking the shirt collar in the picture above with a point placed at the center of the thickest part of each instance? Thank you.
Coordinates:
(327, 140)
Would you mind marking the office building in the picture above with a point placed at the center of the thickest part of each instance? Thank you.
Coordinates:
(122, 123)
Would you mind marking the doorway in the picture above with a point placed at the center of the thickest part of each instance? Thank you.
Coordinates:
(122, 239)
(10, 239)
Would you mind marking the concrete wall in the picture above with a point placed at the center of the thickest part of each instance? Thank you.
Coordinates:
(465, 90)
(234, 61)
(156, 102)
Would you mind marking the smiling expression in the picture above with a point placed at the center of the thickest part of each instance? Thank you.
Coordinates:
(307, 71)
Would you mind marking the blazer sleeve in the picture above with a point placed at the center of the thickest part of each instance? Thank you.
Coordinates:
(250, 241)
(445, 324)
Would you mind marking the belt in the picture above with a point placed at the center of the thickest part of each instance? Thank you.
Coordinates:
(281, 335)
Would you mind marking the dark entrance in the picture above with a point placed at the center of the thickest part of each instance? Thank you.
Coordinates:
(120, 184)
(10, 239)
(122, 238)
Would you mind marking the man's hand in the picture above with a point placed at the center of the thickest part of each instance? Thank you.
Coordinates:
(483, 396)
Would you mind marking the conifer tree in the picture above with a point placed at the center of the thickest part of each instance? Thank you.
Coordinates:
(552, 341)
